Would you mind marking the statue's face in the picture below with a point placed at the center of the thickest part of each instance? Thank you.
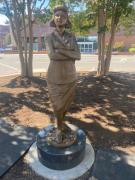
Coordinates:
(60, 18)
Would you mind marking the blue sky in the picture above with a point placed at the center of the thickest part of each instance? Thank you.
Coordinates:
(4, 18)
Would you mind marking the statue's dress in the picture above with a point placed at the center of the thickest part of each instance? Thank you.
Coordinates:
(61, 77)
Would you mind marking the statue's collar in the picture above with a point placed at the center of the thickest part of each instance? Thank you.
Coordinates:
(59, 36)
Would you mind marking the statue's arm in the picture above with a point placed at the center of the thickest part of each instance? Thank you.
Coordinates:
(52, 53)
(73, 53)
(70, 53)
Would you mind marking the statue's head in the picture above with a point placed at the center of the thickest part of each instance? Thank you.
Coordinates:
(60, 17)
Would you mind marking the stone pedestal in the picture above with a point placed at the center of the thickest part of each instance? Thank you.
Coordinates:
(60, 158)
(61, 163)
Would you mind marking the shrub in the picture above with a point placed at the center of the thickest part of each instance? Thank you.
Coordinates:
(119, 46)
(131, 50)
(132, 45)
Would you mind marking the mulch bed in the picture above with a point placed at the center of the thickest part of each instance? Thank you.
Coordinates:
(104, 108)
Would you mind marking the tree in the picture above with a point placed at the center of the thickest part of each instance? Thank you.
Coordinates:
(20, 14)
(42, 16)
(106, 15)
(109, 13)
(78, 16)
(128, 23)
(7, 39)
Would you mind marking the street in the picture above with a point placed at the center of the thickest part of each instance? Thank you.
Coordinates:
(10, 64)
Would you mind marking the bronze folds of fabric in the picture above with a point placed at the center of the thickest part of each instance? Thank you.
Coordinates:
(61, 96)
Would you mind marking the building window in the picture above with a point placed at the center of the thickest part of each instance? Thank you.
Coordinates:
(35, 40)
(87, 44)
(43, 43)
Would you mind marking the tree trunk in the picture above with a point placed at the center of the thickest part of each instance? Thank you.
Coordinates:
(30, 26)
(109, 51)
(11, 23)
(24, 33)
(19, 29)
(19, 40)
(101, 41)
(114, 23)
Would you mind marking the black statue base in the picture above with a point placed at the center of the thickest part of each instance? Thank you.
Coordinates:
(60, 158)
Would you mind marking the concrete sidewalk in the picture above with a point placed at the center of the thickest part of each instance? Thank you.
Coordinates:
(15, 140)
(113, 165)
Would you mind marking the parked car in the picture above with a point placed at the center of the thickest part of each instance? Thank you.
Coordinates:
(2, 50)
(8, 49)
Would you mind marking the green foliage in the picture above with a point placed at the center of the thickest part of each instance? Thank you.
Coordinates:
(78, 16)
(42, 16)
(102, 29)
(112, 8)
(80, 23)
(70, 4)
(86, 18)
(131, 50)
(127, 22)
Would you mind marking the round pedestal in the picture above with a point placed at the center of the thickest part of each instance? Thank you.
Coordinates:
(58, 158)
(79, 171)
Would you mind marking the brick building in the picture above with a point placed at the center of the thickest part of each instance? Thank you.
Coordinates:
(121, 36)
(4, 30)
(41, 31)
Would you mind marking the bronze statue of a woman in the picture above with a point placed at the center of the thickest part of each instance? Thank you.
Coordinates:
(61, 77)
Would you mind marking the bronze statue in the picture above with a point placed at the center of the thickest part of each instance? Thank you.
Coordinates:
(61, 77)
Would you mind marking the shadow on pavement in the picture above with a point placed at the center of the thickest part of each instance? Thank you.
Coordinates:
(15, 140)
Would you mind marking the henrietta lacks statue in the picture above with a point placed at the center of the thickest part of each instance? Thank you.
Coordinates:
(61, 77)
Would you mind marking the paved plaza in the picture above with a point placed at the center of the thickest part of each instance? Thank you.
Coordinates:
(15, 140)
